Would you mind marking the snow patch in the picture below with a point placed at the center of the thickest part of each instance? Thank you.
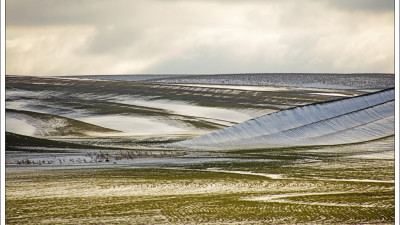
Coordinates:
(187, 109)
(19, 126)
(271, 176)
(138, 125)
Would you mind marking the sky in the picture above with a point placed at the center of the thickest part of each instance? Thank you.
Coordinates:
(59, 37)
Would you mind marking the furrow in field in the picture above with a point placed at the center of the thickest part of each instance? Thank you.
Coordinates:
(366, 117)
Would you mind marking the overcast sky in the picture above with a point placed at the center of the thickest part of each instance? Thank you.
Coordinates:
(67, 37)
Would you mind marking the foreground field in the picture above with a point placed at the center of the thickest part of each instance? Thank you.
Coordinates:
(349, 184)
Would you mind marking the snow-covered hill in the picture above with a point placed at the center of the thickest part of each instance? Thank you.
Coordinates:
(343, 121)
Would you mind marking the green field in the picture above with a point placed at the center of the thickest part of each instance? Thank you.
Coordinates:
(323, 186)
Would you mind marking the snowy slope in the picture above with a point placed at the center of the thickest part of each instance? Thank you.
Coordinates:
(348, 120)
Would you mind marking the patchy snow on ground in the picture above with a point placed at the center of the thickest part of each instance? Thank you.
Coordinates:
(348, 120)
(332, 94)
(19, 126)
(21, 123)
(271, 176)
(327, 92)
(189, 109)
(239, 87)
(132, 125)
(379, 155)
(304, 80)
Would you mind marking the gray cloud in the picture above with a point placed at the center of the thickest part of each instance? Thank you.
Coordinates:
(364, 5)
(47, 12)
(53, 37)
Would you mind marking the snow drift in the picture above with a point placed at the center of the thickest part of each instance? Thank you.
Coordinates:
(342, 121)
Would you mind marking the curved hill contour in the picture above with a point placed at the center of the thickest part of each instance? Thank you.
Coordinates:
(349, 120)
